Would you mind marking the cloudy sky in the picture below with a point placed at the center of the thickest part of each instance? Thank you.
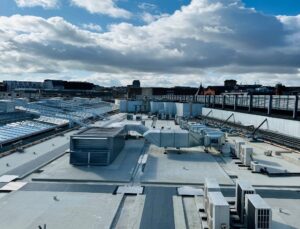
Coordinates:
(160, 42)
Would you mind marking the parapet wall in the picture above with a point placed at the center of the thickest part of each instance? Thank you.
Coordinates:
(284, 126)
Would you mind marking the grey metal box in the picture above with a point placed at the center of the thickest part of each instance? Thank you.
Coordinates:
(259, 213)
(96, 146)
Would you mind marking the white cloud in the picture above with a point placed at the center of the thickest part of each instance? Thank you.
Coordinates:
(150, 12)
(149, 18)
(47, 4)
(204, 41)
(292, 26)
(147, 6)
(105, 7)
(92, 27)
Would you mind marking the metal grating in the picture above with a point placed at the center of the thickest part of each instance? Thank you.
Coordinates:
(90, 158)
(99, 158)
(263, 218)
(258, 218)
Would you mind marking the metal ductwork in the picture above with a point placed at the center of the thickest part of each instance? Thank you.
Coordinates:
(168, 138)
(179, 138)
(137, 127)
(195, 135)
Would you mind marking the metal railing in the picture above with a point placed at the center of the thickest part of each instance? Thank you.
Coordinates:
(269, 103)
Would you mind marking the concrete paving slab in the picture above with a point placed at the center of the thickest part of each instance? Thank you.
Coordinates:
(13, 186)
(65, 211)
(130, 190)
(119, 171)
(8, 178)
(193, 220)
(179, 213)
(130, 213)
(189, 191)
(191, 166)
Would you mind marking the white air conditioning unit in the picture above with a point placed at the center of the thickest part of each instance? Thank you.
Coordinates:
(210, 185)
(163, 116)
(261, 168)
(219, 212)
(210, 223)
(258, 212)
(255, 166)
(246, 154)
(206, 206)
(210, 210)
(242, 189)
(237, 147)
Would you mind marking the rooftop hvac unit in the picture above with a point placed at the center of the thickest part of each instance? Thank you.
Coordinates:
(162, 116)
(168, 138)
(196, 127)
(177, 119)
(255, 166)
(242, 189)
(237, 148)
(183, 124)
(210, 185)
(258, 212)
(218, 216)
(262, 168)
(138, 118)
(96, 146)
(214, 139)
(246, 154)
(129, 116)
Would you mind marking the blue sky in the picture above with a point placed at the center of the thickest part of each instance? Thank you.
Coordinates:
(80, 16)
(178, 42)
(275, 7)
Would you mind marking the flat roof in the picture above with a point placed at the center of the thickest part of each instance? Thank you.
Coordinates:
(60, 210)
(86, 196)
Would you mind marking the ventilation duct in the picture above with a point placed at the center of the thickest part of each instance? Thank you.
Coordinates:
(195, 135)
